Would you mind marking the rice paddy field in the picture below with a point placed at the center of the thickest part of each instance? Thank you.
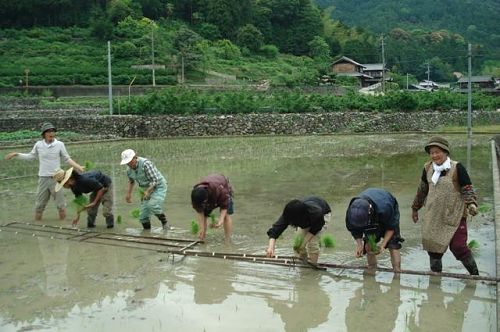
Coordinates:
(52, 284)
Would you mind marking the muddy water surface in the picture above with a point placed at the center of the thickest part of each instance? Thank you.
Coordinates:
(52, 284)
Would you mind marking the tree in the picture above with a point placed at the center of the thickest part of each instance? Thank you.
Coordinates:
(250, 37)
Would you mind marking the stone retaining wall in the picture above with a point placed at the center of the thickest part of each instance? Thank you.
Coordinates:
(243, 124)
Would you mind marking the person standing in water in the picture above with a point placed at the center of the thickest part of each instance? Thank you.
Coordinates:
(49, 151)
(447, 194)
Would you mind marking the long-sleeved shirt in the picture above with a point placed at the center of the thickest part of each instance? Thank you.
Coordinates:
(385, 214)
(49, 156)
(91, 181)
(463, 180)
(314, 220)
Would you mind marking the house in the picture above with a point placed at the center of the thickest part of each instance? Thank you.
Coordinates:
(347, 67)
(483, 83)
(376, 71)
(367, 74)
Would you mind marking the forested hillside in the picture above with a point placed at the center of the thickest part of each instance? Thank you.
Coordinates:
(287, 42)
(474, 21)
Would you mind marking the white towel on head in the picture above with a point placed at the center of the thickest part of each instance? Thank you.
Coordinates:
(439, 168)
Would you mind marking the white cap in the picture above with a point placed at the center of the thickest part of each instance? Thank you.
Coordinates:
(127, 156)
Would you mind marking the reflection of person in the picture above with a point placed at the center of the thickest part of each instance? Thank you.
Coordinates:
(308, 304)
(211, 192)
(447, 193)
(208, 291)
(49, 152)
(310, 215)
(149, 179)
(441, 311)
(94, 182)
(375, 214)
(374, 303)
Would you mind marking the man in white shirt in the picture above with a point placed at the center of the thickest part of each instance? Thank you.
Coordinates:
(49, 152)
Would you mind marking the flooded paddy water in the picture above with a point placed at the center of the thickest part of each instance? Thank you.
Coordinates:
(51, 284)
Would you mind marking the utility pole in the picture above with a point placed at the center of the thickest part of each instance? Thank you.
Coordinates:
(428, 72)
(469, 108)
(110, 82)
(406, 81)
(383, 65)
(153, 53)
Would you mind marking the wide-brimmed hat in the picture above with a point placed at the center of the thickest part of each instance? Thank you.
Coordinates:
(358, 214)
(438, 141)
(47, 126)
(61, 177)
(127, 156)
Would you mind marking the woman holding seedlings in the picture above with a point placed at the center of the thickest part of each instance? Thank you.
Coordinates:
(310, 215)
(49, 152)
(375, 214)
(213, 191)
(152, 184)
(448, 196)
(93, 182)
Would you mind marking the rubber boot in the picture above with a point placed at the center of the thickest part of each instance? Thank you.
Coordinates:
(146, 225)
(470, 264)
(91, 221)
(436, 264)
(110, 221)
(163, 219)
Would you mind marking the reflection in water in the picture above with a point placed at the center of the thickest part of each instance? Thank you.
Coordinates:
(55, 262)
(374, 306)
(82, 286)
(307, 305)
(212, 288)
(441, 311)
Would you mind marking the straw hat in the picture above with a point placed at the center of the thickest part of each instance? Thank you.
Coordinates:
(438, 141)
(61, 177)
(127, 156)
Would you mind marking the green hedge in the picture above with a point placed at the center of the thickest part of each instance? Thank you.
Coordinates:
(184, 101)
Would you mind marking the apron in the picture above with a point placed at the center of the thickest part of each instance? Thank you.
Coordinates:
(444, 207)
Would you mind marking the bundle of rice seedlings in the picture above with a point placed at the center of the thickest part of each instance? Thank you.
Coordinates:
(89, 165)
(372, 243)
(212, 219)
(195, 228)
(119, 219)
(135, 213)
(141, 193)
(298, 240)
(473, 245)
(79, 202)
(327, 241)
(484, 208)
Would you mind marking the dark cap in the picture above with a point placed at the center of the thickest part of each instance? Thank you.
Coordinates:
(358, 214)
(438, 141)
(47, 126)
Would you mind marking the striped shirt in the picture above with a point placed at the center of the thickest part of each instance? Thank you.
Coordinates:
(49, 156)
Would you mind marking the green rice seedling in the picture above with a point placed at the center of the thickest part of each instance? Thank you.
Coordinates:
(327, 241)
(89, 165)
(79, 202)
(298, 240)
(195, 228)
(141, 193)
(372, 243)
(484, 207)
(119, 219)
(213, 221)
(135, 213)
(473, 245)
